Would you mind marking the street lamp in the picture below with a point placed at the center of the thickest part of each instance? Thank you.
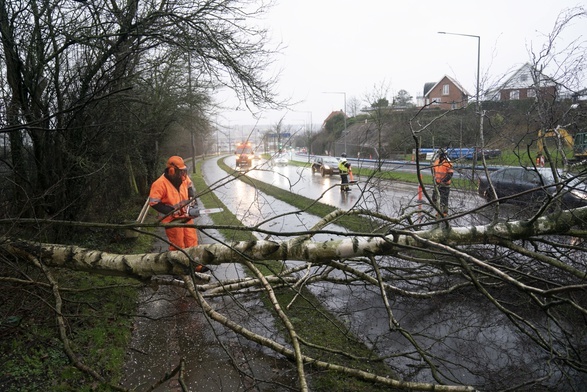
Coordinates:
(478, 59)
(477, 93)
(343, 93)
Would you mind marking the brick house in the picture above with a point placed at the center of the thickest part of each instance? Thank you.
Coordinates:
(524, 83)
(446, 94)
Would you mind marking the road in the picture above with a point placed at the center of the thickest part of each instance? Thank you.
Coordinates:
(391, 198)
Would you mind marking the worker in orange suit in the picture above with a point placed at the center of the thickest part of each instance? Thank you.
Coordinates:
(442, 171)
(172, 196)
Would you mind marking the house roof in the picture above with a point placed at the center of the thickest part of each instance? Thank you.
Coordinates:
(524, 77)
(428, 86)
(335, 113)
(457, 84)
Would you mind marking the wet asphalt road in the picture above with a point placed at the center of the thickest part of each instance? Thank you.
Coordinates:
(391, 198)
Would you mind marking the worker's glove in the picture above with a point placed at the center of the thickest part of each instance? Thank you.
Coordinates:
(194, 211)
(179, 214)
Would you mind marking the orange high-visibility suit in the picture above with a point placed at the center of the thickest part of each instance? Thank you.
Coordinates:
(165, 192)
(443, 171)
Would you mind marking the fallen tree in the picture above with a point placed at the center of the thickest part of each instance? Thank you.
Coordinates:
(401, 263)
(299, 248)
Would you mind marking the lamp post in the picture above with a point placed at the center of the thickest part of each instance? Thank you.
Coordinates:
(478, 104)
(478, 59)
(343, 93)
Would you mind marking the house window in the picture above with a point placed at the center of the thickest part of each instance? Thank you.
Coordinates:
(514, 94)
(523, 77)
(531, 93)
(445, 89)
(435, 101)
(453, 105)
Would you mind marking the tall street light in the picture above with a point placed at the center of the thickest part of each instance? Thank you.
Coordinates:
(478, 105)
(343, 93)
(478, 59)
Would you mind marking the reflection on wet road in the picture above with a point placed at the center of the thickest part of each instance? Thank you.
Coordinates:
(391, 198)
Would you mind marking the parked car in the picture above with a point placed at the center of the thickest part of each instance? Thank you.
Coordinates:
(280, 160)
(535, 186)
(325, 166)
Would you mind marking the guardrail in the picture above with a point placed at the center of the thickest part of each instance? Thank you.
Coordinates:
(386, 164)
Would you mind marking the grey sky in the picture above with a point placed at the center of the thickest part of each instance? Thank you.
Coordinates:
(358, 47)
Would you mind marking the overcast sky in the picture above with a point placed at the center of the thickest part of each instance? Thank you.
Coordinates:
(356, 47)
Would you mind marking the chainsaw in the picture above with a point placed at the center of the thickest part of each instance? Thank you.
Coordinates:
(204, 211)
(184, 216)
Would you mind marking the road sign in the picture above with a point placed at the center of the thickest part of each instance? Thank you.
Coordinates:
(284, 135)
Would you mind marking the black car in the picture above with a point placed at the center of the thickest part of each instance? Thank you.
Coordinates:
(325, 166)
(533, 186)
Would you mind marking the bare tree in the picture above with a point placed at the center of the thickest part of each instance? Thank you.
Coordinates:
(353, 106)
(92, 86)
(379, 111)
(472, 301)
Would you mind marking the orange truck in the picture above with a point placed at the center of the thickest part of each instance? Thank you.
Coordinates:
(244, 155)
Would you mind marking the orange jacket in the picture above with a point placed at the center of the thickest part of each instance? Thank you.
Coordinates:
(443, 172)
(163, 191)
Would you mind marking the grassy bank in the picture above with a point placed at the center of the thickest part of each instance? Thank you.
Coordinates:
(97, 310)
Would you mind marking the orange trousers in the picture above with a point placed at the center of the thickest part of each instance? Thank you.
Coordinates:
(182, 237)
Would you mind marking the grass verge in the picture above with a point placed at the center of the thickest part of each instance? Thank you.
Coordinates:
(97, 310)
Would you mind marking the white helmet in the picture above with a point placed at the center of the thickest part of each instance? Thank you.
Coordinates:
(343, 160)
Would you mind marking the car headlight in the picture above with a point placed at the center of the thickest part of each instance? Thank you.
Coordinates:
(326, 167)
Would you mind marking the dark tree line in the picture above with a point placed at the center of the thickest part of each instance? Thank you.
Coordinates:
(93, 89)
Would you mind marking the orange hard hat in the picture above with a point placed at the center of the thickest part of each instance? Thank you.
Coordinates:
(176, 161)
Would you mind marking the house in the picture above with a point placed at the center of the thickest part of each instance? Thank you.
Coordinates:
(334, 114)
(445, 94)
(580, 96)
(525, 83)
